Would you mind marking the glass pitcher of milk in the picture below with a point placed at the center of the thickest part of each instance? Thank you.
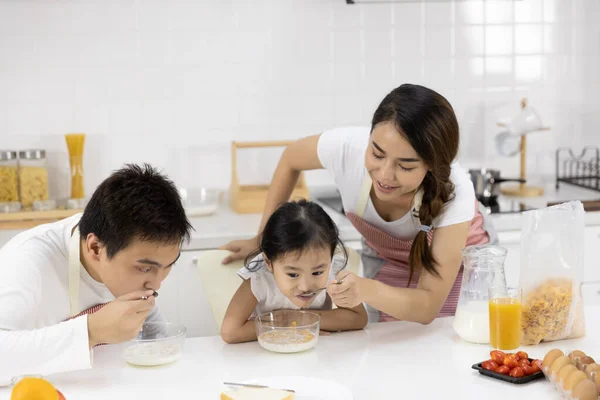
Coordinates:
(483, 268)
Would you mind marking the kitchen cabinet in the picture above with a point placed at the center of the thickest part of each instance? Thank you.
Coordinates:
(354, 244)
(182, 300)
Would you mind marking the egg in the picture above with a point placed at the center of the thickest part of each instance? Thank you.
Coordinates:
(587, 360)
(576, 354)
(585, 390)
(558, 364)
(551, 357)
(573, 380)
(597, 381)
(592, 368)
(564, 372)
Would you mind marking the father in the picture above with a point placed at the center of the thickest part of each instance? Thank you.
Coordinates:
(91, 278)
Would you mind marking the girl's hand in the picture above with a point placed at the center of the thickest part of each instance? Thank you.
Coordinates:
(347, 294)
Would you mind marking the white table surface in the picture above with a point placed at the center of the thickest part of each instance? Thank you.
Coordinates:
(398, 360)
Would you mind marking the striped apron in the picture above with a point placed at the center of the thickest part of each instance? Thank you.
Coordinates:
(74, 277)
(385, 258)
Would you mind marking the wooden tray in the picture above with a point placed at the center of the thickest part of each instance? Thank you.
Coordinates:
(250, 199)
(29, 219)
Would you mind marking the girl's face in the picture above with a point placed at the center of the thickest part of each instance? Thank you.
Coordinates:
(298, 273)
(394, 166)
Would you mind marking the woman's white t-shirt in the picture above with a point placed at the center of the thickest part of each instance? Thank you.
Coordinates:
(341, 151)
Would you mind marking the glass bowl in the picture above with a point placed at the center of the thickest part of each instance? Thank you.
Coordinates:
(199, 202)
(158, 343)
(288, 331)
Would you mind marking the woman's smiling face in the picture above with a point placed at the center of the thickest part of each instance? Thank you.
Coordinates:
(393, 165)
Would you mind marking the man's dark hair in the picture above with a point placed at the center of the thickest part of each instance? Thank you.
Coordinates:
(135, 202)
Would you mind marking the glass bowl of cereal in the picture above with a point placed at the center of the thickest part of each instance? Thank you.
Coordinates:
(158, 343)
(288, 331)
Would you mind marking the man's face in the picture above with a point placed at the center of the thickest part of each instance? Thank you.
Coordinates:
(139, 266)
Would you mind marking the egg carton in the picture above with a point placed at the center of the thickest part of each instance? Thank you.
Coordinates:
(565, 382)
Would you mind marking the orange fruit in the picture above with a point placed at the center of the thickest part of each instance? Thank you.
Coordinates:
(34, 389)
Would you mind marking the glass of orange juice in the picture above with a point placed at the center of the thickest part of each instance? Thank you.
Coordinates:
(505, 317)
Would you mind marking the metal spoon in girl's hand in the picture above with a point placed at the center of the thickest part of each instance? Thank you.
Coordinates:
(313, 292)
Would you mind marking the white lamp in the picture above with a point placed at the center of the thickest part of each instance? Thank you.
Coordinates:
(527, 121)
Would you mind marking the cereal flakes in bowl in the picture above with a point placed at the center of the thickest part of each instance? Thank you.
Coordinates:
(288, 331)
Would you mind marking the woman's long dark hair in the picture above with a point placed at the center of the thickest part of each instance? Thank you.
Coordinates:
(427, 121)
(294, 227)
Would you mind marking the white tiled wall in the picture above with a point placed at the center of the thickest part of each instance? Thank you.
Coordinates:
(172, 82)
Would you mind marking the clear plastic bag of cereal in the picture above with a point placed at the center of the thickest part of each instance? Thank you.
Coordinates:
(551, 273)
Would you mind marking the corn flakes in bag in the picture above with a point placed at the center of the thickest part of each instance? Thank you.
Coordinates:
(551, 273)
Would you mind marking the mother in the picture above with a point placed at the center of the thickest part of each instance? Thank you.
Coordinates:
(403, 191)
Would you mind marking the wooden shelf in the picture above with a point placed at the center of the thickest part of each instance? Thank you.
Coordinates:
(29, 219)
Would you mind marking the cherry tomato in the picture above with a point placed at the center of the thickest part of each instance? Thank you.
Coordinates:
(522, 355)
(60, 395)
(490, 365)
(524, 362)
(536, 366)
(497, 356)
(510, 362)
(528, 370)
(503, 369)
(517, 372)
(514, 356)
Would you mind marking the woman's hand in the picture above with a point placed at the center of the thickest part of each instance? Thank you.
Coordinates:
(349, 293)
(240, 249)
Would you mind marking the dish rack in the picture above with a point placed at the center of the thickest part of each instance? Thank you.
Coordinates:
(249, 199)
(582, 170)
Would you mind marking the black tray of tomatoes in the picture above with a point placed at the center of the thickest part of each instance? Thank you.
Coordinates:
(510, 367)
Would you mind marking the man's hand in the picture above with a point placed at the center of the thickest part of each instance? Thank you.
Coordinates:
(121, 319)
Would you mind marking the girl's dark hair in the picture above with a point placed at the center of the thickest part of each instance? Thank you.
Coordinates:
(294, 227)
(427, 121)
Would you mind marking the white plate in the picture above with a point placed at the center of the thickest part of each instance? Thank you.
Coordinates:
(307, 388)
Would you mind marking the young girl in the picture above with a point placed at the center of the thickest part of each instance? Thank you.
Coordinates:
(295, 259)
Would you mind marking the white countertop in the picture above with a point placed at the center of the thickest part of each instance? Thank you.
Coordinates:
(387, 360)
(225, 225)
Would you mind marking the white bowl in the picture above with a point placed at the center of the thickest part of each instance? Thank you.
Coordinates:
(157, 343)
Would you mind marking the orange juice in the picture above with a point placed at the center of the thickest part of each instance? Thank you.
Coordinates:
(505, 323)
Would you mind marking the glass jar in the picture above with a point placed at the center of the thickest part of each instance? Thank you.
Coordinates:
(33, 176)
(9, 184)
(483, 269)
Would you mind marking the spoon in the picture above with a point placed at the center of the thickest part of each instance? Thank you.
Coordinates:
(155, 294)
(312, 292)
